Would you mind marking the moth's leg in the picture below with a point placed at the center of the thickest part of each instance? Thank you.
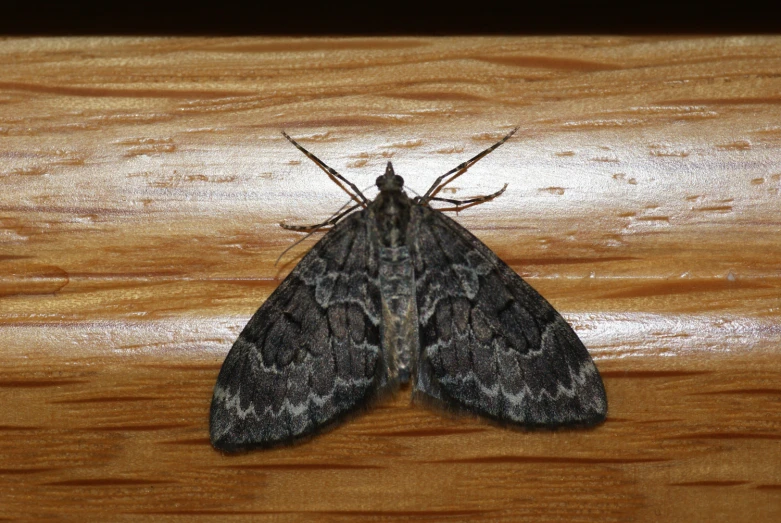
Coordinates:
(463, 204)
(461, 169)
(311, 229)
(330, 221)
(335, 176)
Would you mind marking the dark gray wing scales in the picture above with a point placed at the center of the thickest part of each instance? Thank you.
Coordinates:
(489, 342)
(311, 353)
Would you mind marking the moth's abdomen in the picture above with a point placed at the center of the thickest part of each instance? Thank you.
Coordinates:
(399, 311)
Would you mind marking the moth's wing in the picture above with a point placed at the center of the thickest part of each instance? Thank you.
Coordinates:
(311, 353)
(490, 343)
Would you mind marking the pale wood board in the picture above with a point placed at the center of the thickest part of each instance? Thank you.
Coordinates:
(143, 180)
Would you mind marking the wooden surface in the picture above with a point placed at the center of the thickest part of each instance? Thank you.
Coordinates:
(142, 184)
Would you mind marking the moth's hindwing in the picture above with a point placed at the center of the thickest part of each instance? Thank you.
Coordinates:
(311, 353)
(490, 343)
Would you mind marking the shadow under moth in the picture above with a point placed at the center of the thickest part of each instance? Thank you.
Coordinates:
(397, 292)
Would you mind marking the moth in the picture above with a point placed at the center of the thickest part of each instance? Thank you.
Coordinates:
(398, 292)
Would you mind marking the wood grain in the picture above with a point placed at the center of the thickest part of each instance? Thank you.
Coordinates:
(143, 180)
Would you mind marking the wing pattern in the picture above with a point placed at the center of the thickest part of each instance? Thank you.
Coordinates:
(489, 342)
(311, 353)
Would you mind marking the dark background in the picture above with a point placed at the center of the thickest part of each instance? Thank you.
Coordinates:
(385, 18)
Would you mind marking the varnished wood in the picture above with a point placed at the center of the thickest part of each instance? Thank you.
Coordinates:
(143, 180)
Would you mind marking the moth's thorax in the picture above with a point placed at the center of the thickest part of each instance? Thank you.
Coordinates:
(391, 209)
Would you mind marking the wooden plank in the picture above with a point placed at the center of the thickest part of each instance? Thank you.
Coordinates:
(143, 181)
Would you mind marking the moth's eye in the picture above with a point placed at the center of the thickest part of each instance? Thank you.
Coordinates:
(398, 180)
(378, 181)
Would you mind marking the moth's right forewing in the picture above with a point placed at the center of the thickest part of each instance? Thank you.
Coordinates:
(312, 352)
(489, 343)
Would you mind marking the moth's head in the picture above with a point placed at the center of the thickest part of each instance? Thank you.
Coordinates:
(390, 181)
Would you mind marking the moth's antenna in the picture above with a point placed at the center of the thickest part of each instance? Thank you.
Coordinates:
(335, 176)
(462, 168)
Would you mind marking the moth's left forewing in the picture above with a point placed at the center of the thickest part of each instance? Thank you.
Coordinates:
(311, 353)
(489, 343)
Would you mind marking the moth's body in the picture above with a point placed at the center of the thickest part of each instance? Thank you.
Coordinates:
(388, 220)
(398, 292)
